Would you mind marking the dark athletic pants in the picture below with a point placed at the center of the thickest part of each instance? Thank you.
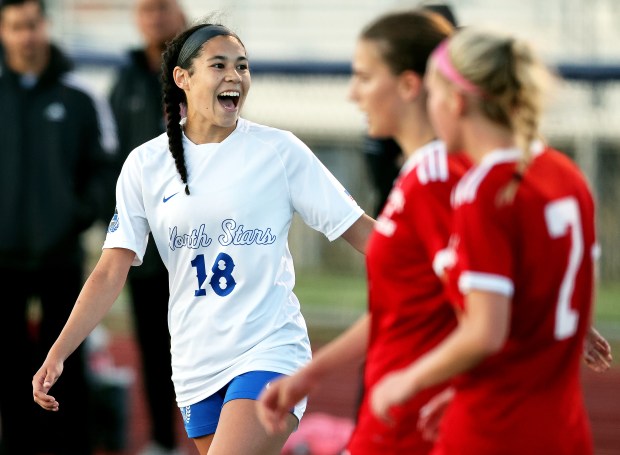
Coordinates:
(149, 296)
(27, 428)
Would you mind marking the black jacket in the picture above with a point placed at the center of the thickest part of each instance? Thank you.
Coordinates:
(136, 100)
(57, 154)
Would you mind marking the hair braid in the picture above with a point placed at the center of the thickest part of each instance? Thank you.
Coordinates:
(528, 98)
(173, 98)
(525, 109)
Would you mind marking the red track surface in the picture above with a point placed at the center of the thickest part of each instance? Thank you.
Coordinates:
(338, 397)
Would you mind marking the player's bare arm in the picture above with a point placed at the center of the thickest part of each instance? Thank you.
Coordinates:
(359, 232)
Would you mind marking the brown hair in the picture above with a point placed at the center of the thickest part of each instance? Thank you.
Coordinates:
(407, 39)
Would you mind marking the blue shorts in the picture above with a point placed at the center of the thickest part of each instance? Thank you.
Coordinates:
(200, 419)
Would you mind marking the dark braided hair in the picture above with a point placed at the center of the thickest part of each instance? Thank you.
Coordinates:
(173, 95)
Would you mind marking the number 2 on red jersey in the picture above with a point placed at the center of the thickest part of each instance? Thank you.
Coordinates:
(562, 217)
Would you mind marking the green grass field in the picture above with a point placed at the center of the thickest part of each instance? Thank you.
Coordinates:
(331, 290)
(344, 295)
(608, 303)
(349, 291)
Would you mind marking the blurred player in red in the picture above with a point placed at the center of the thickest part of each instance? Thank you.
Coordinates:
(523, 249)
(409, 312)
(383, 156)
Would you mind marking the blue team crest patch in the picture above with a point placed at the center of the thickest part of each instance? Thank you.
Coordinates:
(113, 226)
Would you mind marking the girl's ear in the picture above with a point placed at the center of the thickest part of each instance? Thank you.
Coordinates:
(460, 104)
(410, 85)
(181, 77)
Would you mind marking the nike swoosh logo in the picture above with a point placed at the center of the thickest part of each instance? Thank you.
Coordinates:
(166, 199)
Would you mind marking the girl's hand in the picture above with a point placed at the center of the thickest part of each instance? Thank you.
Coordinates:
(596, 351)
(42, 382)
(392, 390)
(432, 412)
(278, 398)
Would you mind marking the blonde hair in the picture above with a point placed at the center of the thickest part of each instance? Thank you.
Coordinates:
(512, 81)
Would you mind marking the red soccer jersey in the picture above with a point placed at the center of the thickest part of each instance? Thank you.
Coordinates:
(410, 312)
(526, 399)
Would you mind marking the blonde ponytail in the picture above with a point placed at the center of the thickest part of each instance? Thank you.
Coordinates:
(513, 81)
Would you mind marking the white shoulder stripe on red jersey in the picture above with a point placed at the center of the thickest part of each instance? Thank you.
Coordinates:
(430, 163)
(469, 281)
(467, 188)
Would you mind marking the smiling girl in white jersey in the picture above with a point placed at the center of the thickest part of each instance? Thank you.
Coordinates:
(218, 193)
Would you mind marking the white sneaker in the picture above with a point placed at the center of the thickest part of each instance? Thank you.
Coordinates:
(155, 449)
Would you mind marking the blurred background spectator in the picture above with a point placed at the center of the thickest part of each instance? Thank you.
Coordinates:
(56, 178)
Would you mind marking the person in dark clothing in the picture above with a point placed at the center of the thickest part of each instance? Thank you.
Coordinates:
(383, 160)
(137, 105)
(57, 152)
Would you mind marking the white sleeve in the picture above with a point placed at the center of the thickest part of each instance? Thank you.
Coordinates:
(321, 200)
(129, 227)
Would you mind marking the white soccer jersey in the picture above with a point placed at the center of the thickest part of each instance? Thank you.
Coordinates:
(231, 276)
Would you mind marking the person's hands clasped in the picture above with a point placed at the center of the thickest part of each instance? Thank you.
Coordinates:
(42, 382)
(279, 397)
